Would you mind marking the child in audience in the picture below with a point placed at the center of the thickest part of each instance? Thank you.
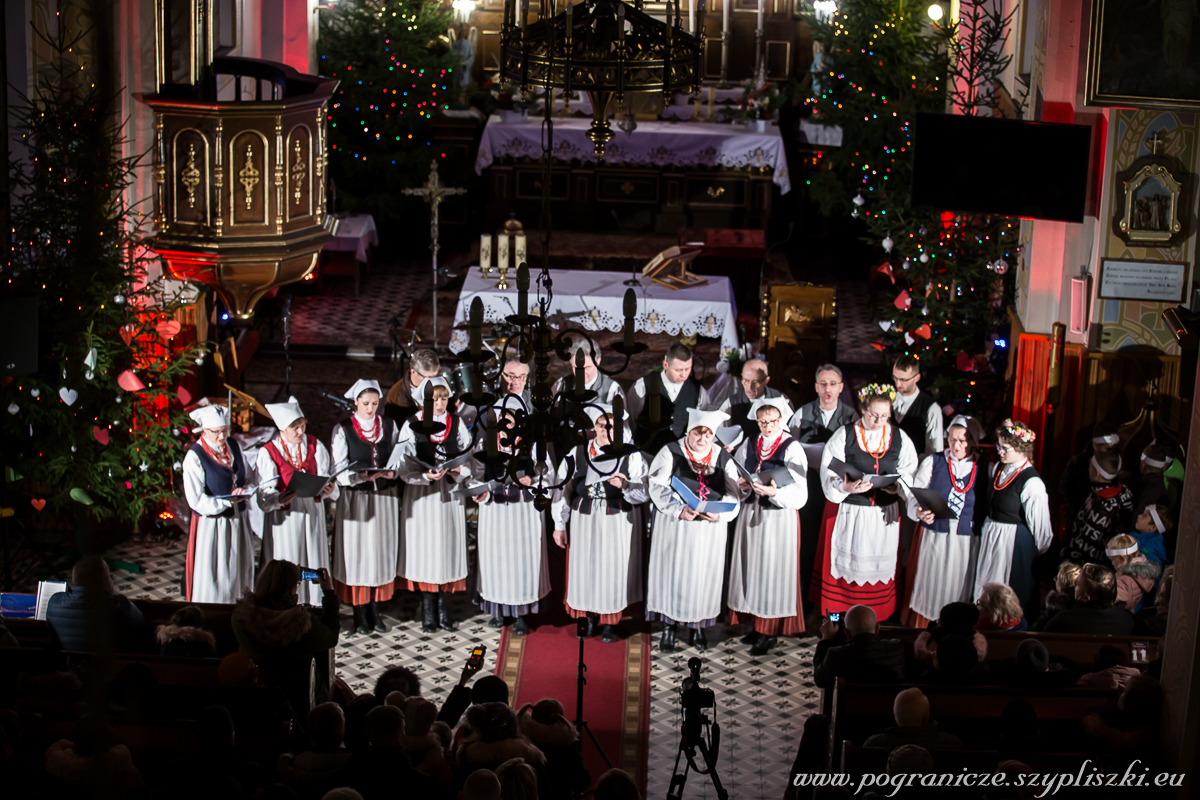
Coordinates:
(1150, 531)
(1137, 577)
(546, 725)
(1104, 514)
(1063, 596)
(316, 770)
(185, 635)
(999, 609)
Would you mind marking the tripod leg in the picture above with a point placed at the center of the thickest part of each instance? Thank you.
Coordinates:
(583, 724)
(710, 761)
(675, 790)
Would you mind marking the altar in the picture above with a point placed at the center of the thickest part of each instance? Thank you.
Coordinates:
(664, 176)
(593, 300)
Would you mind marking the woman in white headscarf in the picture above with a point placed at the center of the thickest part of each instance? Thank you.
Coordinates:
(433, 545)
(687, 547)
(294, 527)
(602, 504)
(366, 525)
(217, 482)
(940, 559)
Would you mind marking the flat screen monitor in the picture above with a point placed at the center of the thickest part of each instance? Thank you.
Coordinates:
(988, 165)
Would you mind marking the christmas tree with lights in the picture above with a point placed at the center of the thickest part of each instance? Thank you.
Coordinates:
(396, 70)
(94, 433)
(949, 274)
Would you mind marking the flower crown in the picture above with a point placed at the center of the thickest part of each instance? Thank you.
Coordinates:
(1020, 431)
(877, 390)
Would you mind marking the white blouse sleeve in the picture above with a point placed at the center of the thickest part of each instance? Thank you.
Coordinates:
(731, 490)
(794, 495)
(193, 488)
(463, 438)
(831, 482)
(740, 455)
(323, 468)
(407, 470)
(637, 492)
(268, 490)
(659, 484)
(560, 509)
(1037, 512)
(933, 430)
(907, 466)
(341, 458)
(921, 481)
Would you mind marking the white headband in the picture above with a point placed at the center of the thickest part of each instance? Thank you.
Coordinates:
(1154, 462)
(1108, 476)
(1111, 438)
(1157, 519)
(1122, 551)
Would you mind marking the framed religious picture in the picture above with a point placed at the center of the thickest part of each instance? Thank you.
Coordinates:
(1140, 55)
(1152, 201)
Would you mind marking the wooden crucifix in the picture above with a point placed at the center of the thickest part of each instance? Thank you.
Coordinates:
(433, 191)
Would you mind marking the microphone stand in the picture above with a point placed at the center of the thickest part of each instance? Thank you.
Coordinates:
(287, 353)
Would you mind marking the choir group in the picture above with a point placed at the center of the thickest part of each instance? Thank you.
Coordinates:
(746, 505)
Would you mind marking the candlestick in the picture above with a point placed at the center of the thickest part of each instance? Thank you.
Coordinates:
(618, 434)
(476, 326)
(725, 43)
(653, 394)
(492, 434)
(758, 44)
(579, 387)
(712, 97)
(522, 290)
(476, 383)
(428, 417)
(485, 252)
(629, 306)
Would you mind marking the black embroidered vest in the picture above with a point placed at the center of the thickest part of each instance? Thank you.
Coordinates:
(887, 464)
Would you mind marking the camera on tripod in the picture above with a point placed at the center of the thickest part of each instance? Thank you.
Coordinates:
(695, 698)
(693, 737)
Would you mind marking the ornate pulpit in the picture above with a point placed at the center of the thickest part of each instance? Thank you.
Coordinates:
(240, 169)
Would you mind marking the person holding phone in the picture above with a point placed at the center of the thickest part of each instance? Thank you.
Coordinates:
(433, 538)
(217, 483)
(604, 548)
(857, 551)
(939, 565)
(687, 547)
(513, 571)
(764, 575)
(294, 527)
(365, 546)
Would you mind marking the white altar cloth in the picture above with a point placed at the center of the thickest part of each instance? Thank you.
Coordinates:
(684, 144)
(699, 311)
(355, 234)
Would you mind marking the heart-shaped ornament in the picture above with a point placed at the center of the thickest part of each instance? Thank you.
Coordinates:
(68, 396)
(101, 434)
(185, 397)
(89, 360)
(130, 382)
(80, 496)
(127, 332)
(168, 328)
(38, 503)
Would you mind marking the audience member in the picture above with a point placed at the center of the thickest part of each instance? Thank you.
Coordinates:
(342, 793)
(910, 759)
(421, 747)
(460, 696)
(1136, 576)
(518, 781)
(256, 709)
(1076, 481)
(545, 724)
(1096, 612)
(90, 614)
(857, 653)
(49, 687)
(315, 771)
(1152, 621)
(216, 769)
(379, 769)
(1104, 514)
(1151, 485)
(616, 785)
(1063, 596)
(493, 738)
(955, 619)
(356, 721)
(1033, 669)
(1020, 731)
(1150, 530)
(90, 765)
(999, 609)
(185, 635)
(1110, 670)
(481, 784)
(397, 679)
(1017, 784)
(913, 725)
(955, 662)
(1134, 726)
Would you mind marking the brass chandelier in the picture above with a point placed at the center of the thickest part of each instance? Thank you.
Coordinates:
(606, 48)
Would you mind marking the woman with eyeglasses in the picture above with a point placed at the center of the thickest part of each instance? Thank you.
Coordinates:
(764, 585)
(1017, 527)
(940, 557)
(857, 553)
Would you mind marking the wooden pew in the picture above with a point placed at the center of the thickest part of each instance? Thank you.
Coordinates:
(860, 710)
(36, 633)
(1078, 647)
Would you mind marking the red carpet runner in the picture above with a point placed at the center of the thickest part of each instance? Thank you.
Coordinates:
(616, 701)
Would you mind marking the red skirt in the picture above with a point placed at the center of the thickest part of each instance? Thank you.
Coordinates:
(835, 594)
(907, 616)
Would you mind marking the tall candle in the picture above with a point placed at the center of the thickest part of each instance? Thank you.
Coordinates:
(760, 18)
(712, 96)
(725, 19)
(520, 248)
(485, 252)
(502, 251)
(692, 17)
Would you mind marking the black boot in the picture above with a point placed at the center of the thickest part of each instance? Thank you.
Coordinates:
(763, 645)
(698, 639)
(496, 622)
(373, 619)
(444, 613)
(360, 619)
(520, 627)
(751, 637)
(667, 643)
(428, 612)
(608, 634)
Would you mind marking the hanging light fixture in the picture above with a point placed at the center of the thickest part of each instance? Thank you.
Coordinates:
(603, 47)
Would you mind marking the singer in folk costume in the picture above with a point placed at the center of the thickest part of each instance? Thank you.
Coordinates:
(764, 577)
(294, 527)
(1017, 527)
(601, 504)
(365, 541)
(513, 571)
(857, 553)
(940, 563)
(433, 544)
(217, 483)
(687, 548)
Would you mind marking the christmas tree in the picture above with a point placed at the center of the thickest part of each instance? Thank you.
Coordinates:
(396, 70)
(882, 65)
(94, 433)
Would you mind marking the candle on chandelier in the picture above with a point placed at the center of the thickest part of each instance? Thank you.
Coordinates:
(476, 385)
(476, 326)
(654, 395)
(492, 433)
(618, 434)
(579, 387)
(629, 306)
(522, 290)
(428, 417)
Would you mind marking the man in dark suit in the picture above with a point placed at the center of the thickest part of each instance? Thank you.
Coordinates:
(1096, 611)
(90, 615)
(858, 653)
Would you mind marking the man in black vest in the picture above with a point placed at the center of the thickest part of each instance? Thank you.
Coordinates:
(678, 391)
(593, 379)
(751, 387)
(915, 411)
(814, 423)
